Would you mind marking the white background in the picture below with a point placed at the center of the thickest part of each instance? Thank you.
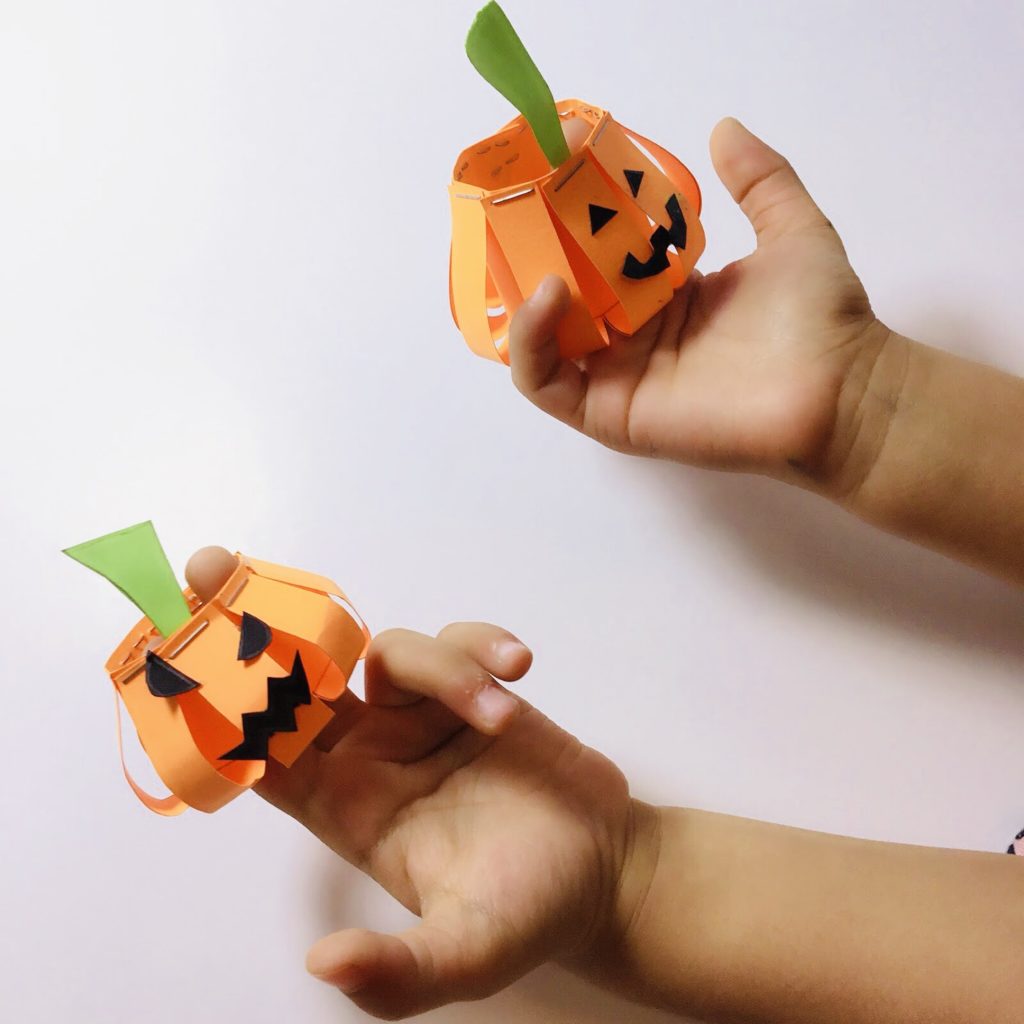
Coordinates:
(223, 258)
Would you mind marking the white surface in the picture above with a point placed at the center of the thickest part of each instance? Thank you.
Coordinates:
(223, 275)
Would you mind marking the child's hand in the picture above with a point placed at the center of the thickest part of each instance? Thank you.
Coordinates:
(759, 366)
(504, 833)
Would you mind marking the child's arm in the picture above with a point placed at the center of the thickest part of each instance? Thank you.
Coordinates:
(516, 845)
(776, 364)
(731, 919)
(935, 453)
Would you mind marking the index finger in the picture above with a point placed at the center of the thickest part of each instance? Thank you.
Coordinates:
(403, 667)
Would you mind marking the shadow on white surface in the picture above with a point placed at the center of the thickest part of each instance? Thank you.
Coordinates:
(804, 545)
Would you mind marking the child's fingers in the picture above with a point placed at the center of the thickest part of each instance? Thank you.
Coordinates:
(503, 655)
(289, 789)
(456, 953)
(208, 570)
(552, 383)
(403, 666)
(762, 182)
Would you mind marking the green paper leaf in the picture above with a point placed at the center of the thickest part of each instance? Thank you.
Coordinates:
(498, 54)
(134, 561)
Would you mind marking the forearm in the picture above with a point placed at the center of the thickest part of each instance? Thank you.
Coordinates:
(931, 447)
(736, 920)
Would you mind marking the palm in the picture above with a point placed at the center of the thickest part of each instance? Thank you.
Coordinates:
(744, 368)
(504, 839)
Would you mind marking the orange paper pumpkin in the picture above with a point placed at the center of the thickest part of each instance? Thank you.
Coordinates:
(246, 678)
(623, 231)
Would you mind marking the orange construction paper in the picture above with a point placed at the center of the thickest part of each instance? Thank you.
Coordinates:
(187, 735)
(515, 220)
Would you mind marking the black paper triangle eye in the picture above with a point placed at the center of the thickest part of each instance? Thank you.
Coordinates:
(253, 639)
(634, 178)
(164, 680)
(599, 216)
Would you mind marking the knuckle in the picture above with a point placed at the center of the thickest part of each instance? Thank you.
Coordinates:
(452, 632)
(387, 642)
(468, 680)
(468, 635)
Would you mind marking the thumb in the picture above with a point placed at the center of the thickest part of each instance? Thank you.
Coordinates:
(208, 570)
(762, 182)
(450, 956)
(553, 384)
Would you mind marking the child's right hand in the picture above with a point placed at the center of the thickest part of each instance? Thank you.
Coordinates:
(760, 366)
(508, 836)
(516, 844)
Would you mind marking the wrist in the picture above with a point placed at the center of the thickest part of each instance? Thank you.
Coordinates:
(639, 868)
(601, 957)
(866, 408)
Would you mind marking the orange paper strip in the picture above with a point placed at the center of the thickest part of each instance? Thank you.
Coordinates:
(227, 708)
(515, 220)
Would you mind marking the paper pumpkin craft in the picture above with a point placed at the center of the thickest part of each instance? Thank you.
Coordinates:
(618, 220)
(215, 689)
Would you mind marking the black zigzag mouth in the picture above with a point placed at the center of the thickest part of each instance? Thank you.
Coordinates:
(661, 239)
(284, 695)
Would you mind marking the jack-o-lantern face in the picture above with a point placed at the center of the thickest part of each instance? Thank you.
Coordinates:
(216, 688)
(247, 678)
(623, 231)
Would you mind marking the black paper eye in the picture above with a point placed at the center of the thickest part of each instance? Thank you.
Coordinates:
(633, 179)
(253, 639)
(599, 216)
(163, 680)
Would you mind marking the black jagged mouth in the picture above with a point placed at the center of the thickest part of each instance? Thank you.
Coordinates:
(661, 239)
(284, 695)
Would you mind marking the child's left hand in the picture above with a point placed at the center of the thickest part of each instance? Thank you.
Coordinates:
(763, 366)
(502, 831)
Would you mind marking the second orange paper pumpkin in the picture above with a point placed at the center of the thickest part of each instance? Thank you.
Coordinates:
(621, 230)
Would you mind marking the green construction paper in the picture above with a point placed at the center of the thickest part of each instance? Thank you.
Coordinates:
(134, 561)
(498, 54)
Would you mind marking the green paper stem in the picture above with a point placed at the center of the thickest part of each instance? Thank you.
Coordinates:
(134, 561)
(498, 54)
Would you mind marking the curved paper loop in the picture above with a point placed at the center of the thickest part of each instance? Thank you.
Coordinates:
(363, 627)
(468, 274)
(522, 230)
(678, 173)
(169, 806)
(316, 623)
(294, 577)
(619, 222)
(311, 581)
(181, 756)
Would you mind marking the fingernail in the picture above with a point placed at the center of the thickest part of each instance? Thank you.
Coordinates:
(739, 124)
(495, 706)
(545, 291)
(323, 966)
(349, 980)
(318, 960)
(510, 650)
